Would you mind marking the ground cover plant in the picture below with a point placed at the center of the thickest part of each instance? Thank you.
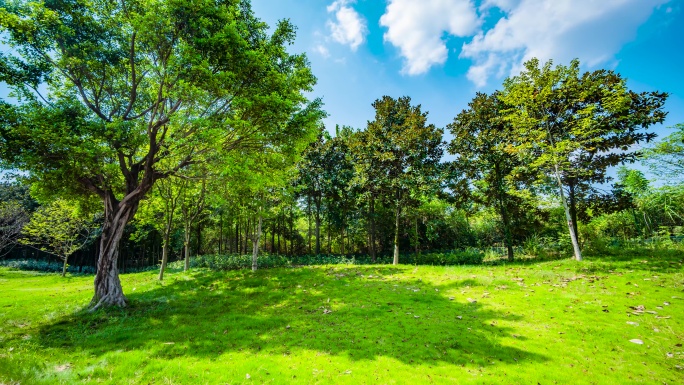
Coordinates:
(607, 320)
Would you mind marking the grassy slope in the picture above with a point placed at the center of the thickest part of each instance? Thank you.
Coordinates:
(564, 322)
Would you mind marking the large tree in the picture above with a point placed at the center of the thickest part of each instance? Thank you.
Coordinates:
(572, 126)
(400, 154)
(109, 91)
(481, 144)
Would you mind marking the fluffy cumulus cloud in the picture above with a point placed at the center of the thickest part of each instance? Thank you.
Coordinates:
(591, 30)
(417, 28)
(348, 27)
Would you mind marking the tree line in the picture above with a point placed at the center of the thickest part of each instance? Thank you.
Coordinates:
(188, 122)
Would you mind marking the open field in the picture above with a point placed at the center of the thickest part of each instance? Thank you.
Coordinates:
(553, 322)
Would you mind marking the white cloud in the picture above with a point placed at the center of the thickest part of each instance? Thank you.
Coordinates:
(348, 28)
(417, 28)
(322, 50)
(591, 30)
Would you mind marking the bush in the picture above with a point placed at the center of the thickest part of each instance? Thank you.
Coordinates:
(44, 266)
(237, 262)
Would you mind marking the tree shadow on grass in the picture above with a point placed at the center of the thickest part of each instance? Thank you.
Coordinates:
(361, 312)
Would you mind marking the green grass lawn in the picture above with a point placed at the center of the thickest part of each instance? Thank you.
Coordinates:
(549, 323)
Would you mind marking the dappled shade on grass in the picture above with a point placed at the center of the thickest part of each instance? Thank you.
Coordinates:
(282, 311)
(526, 322)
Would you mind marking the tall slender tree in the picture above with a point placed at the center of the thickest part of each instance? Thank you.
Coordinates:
(404, 151)
(481, 144)
(570, 125)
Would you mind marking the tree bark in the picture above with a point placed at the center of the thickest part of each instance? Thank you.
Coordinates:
(396, 234)
(186, 249)
(572, 196)
(503, 211)
(64, 267)
(165, 256)
(318, 226)
(571, 227)
(308, 221)
(372, 228)
(255, 248)
(108, 290)
(220, 242)
(415, 224)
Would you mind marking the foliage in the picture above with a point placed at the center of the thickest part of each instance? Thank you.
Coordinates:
(138, 91)
(60, 229)
(13, 217)
(482, 144)
(574, 126)
(397, 157)
(666, 157)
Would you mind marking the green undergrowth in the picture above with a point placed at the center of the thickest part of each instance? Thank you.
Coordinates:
(550, 322)
(237, 262)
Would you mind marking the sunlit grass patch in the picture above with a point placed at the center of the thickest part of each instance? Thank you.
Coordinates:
(558, 321)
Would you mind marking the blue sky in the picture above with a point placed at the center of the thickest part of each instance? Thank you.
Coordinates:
(441, 52)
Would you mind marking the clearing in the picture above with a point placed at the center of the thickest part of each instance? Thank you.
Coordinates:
(602, 321)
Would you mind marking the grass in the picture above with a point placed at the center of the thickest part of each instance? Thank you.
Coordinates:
(551, 322)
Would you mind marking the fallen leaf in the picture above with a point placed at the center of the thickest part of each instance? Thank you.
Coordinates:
(248, 376)
(471, 300)
(632, 323)
(459, 317)
(637, 341)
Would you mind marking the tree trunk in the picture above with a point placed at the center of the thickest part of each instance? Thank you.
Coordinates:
(165, 256)
(255, 248)
(503, 211)
(64, 267)
(318, 228)
(199, 236)
(573, 208)
(281, 223)
(308, 221)
(415, 225)
(507, 233)
(372, 229)
(571, 227)
(220, 243)
(273, 237)
(396, 234)
(186, 247)
(108, 291)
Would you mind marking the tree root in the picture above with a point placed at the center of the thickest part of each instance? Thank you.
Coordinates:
(107, 301)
